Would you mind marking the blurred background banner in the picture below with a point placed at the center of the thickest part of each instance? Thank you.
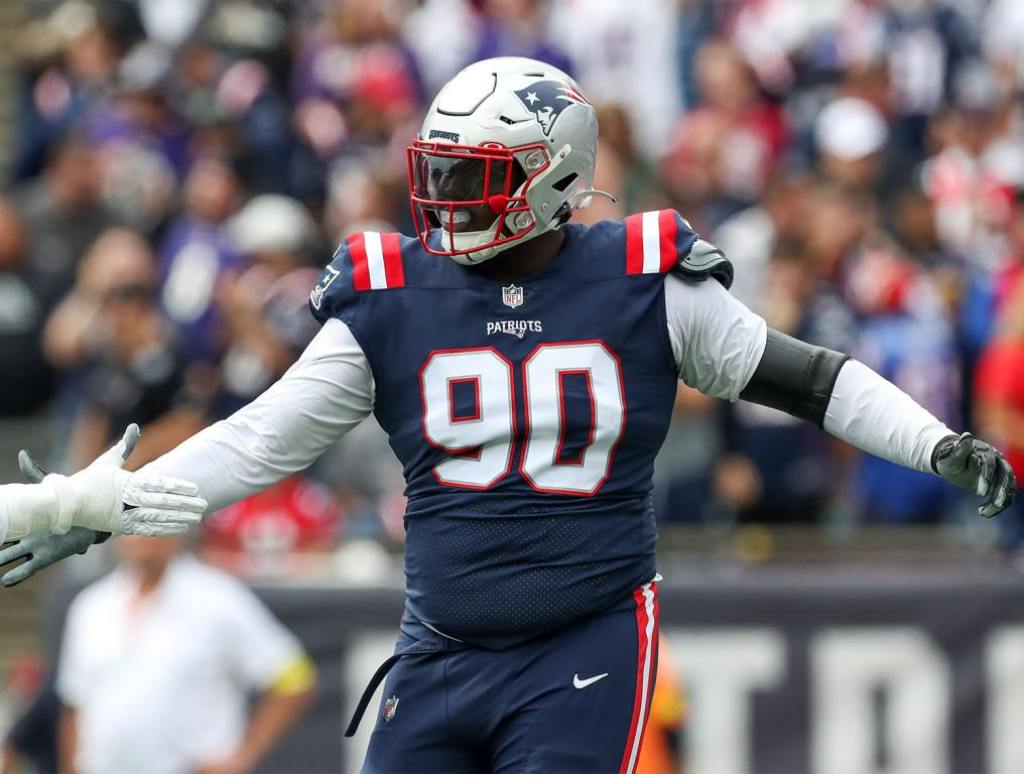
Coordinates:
(860, 673)
(175, 173)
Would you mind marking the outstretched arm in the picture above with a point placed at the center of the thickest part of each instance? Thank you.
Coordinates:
(326, 393)
(725, 350)
(852, 402)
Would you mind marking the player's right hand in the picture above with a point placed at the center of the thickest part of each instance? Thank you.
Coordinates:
(106, 498)
(43, 548)
(40, 550)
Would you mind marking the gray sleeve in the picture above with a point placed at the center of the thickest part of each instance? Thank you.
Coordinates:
(717, 342)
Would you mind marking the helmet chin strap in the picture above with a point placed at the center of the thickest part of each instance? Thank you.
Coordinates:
(469, 239)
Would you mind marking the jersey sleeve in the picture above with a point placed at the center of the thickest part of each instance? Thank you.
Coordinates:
(662, 242)
(365, 261)
(717, 342)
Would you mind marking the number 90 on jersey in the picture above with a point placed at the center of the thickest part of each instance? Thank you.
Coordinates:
(482, 442)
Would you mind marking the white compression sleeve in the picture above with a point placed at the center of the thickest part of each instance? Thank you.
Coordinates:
(325, 394)
(26, 508)
(876, 416)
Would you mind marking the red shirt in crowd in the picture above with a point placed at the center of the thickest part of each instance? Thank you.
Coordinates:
(1000, 380)
(294, 515)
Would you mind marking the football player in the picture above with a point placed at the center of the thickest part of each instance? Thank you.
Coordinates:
(525, 369)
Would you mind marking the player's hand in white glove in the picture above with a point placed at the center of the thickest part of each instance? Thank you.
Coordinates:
(106, 498)
(977, 467)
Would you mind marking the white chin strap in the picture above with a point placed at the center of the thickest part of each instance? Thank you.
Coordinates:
(468, 240)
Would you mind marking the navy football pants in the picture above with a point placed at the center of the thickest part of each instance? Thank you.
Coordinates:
(576, 701)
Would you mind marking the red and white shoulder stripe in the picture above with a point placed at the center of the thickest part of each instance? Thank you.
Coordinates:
(376, 261)
(653, 241)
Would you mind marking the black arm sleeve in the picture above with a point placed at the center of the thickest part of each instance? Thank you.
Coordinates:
(795, 377)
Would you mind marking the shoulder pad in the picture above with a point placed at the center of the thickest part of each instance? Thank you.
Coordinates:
(365, 261)
(705, 260)
(662, 241)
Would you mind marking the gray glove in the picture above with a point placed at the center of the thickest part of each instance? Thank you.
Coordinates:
(977, 467)
(43, 549)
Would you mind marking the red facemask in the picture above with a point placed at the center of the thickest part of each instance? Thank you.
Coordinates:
(458, 189)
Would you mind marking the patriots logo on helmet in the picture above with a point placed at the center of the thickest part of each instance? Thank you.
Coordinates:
(547, 99)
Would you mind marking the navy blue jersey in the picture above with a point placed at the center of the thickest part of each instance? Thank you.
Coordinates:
(527, 416)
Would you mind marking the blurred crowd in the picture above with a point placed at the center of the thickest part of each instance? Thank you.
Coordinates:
(180, 170)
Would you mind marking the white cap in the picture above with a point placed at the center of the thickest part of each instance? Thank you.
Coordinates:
(850, 128)
(271, 223)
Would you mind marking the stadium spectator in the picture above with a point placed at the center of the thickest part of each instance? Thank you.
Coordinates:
(749, 236)
(266, 535)
(519, 28)
(201, 643)
(66, 59)
(640, 188)
(905, 335)
(111, 331)
(999, 390)
(779, 469)
(143, 146)
(63, 213)
(23, 310)
(266, 322)
(851, 136)
(724, 151)
(195, 255)
(625, 53)
(354, 81)
(971, 177)
(31, 742)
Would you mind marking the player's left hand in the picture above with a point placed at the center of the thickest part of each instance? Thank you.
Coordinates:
(977, 467)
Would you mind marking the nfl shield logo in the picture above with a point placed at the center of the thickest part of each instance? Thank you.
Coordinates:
(390, 708)
(512, 296)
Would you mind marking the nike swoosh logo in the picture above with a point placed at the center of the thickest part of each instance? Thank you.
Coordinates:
(578, 684)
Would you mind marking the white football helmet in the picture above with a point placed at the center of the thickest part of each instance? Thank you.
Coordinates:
(506, 153)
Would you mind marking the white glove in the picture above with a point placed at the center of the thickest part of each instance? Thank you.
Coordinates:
(105, 498)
